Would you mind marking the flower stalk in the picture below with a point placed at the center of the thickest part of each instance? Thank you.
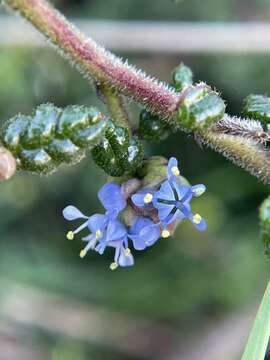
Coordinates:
(116, 106)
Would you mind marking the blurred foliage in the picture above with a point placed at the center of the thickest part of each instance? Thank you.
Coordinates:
(192, 276)
(191, 10)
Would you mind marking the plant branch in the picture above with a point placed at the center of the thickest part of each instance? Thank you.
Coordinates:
(93, 60)
(105, 68)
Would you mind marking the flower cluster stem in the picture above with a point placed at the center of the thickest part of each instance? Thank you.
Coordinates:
(116, 106)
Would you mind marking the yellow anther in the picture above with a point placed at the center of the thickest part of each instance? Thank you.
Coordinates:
(113, 266)
(199, 191)
(175, 171)
(127, 252)
(197, 218)
(148, 198)
(70, 235)
(83, 253)
(98, 234)
(165, 233)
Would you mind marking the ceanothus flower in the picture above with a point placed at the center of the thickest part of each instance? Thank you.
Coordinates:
(154, 212)
(144, 233)
(173, 199)
(105, 229)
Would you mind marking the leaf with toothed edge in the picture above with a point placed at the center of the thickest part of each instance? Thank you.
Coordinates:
(118, 153)
(53, 136)
(258, 107)
(200, 107)
(152, 128)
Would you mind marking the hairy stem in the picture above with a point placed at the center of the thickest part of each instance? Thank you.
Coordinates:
(105, 68)
(243, 152)
(93, 60)
(116, 107)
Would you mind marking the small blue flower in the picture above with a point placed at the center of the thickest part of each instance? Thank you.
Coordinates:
(173, 200)
(112, 197)
(161, 208)
(115, 235)
(105, 229)
(143, 233)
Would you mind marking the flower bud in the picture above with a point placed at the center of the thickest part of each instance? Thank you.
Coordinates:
(182, 77)
(7, 164)
(199, 107)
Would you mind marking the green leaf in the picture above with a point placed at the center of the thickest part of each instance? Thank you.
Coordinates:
(182, 77)
(258, 339)
(133, 157)
(52, 136)
(152, 128)
(264, 215)
(118, 153)
(105, 158)
(257, 107)
(199, 107)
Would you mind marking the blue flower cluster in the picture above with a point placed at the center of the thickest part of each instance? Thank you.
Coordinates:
(161, 208)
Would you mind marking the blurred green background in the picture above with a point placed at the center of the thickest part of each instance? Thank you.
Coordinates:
(181, 284)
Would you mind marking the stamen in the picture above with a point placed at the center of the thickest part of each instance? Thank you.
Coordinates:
(98, 234)
(165, 233)
(148, 198)
(127, 252)
(175, 171)
(83, 253)
(113, 266)
(70, 235)
(197, 219)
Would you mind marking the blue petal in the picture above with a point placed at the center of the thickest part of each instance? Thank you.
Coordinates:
(139, 224)
(125, 260)
(201, 226)
(165, 192)
(185, 209)
(112, 214)
(97, 222)
(173, 217)
(200, 187)
(138, 198)
(151, 234)
(111, 197)
(138, 242)
(115, 231)
(164, 210)
(72, 213)
(172, 162)
(144, 233)
(184, 192)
